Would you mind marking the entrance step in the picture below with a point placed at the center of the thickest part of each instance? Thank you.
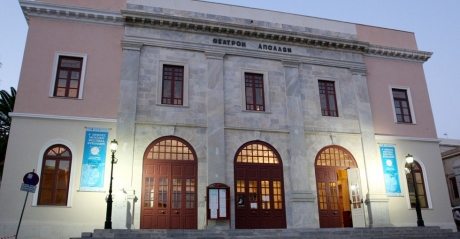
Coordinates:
(320, 233)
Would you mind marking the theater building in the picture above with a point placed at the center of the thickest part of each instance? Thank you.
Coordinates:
(308, 121)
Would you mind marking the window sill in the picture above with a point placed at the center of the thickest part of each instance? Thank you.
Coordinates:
(177, 106)
(68, 98)
(256, 111)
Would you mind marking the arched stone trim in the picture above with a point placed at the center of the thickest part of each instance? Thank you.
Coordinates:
(72, 172)
(425, 184)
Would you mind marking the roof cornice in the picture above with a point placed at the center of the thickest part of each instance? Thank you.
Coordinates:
(400, 53)
(66, 12)
(146, 19)
(158, 20)
(450, 153)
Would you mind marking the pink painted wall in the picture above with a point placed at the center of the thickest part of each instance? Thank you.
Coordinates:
(386, 37)
(101, 86)
(114, 5)
(385, 72)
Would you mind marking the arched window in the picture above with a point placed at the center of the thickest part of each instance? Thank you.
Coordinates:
(335, 156)
(419, 183)
(55, 176)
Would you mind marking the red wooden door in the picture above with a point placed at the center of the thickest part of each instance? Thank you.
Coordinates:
(260, 197)
(328, 198)
(169, 196)
(169, 199)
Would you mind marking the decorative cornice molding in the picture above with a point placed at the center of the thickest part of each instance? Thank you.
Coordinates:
(146, 19)
(65, 12)
(61, 117)
(157, 20)
(399, 53)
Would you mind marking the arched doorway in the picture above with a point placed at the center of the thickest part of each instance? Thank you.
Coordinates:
(169, 185)
(338, 188)
(259, 187)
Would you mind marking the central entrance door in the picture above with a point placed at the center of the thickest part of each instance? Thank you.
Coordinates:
(338, 187)
(169, 185)
(259, 187)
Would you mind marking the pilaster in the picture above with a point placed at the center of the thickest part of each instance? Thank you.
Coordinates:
(301, 198)
(376, 199)
(215, 117)
(127, 115)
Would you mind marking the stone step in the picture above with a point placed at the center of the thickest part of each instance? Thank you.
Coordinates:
(330, 233)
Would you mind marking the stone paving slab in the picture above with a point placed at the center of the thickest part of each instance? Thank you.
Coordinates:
(313, 233)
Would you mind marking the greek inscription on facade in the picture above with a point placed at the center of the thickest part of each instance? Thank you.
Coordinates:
(275, 48)
(229, 42)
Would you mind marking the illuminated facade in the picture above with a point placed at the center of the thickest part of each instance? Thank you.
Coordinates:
(307, 120)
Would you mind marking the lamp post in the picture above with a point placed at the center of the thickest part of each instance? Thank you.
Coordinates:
(108, 215)
(410, 161)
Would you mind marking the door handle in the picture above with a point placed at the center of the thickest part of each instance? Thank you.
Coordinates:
(335, 212)
(266, 212)
(253, 212)
(162, 212)
(176, 212)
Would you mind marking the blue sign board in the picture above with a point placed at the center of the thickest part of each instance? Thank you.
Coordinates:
(390, 170)
(94, 158)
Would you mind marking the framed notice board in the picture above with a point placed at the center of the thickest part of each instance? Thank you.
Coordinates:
(218, 202)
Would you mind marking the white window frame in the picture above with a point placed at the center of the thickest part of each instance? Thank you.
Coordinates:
(185, 98)
(337, 95)
(54, 74)
(409, 98)
(266, 89)
(425, 181)
(72, 172)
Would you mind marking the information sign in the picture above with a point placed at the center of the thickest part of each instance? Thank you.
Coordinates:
(218, 203)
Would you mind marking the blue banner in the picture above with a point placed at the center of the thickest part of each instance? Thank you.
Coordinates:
(390, 170)
(94, 158)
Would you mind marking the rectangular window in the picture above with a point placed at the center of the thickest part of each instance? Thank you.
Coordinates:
(453, 184)
(173, 84)
(254, 91)
(68, 77)
(327, 97)
(401, 104)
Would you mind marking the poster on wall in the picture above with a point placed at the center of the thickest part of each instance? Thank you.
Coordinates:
(390, 170)
(94, 158)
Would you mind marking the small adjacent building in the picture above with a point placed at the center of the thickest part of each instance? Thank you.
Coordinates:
(307, 121)
(450, 153)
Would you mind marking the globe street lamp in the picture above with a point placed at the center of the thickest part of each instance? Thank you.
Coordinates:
(410, 162)
(108, 215)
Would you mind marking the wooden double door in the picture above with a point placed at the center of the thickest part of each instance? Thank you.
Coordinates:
(169, 195)
(259, 194)
(340, 202)
(328, 198)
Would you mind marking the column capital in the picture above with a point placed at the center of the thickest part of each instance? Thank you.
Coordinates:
(133, 46)
(214, 55)
(358, 71)
(292, 64)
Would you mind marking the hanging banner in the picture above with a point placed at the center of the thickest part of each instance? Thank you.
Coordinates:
(390, 170)
(94, 158)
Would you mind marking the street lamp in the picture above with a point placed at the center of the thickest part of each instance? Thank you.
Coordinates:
(108, 215)
(410, 161)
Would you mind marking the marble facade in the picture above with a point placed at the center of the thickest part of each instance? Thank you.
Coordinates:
(213, 118)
